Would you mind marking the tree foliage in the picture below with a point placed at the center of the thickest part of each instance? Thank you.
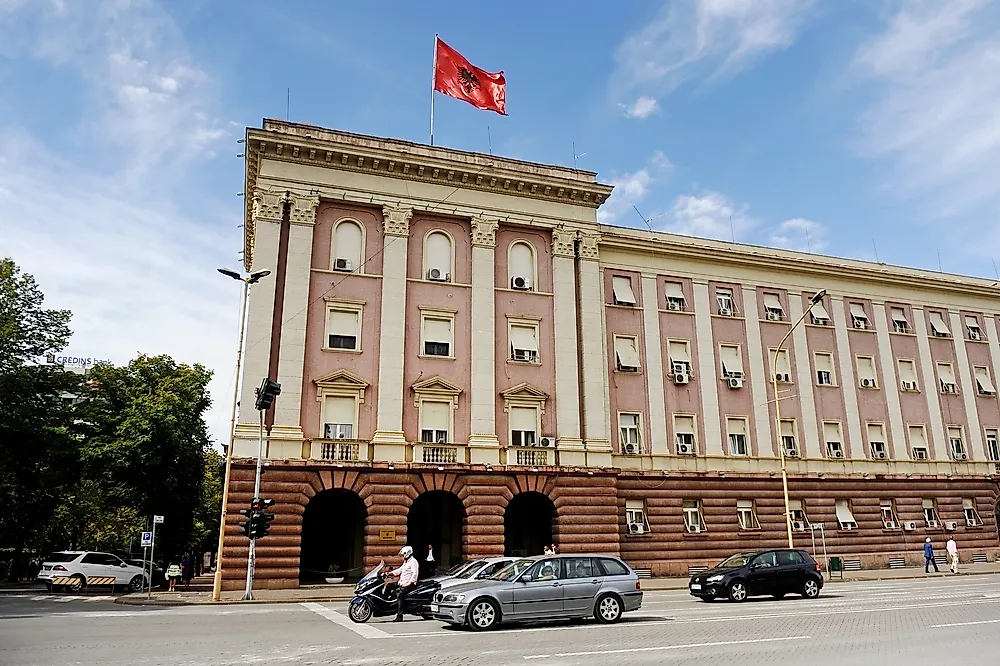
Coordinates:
(27, 330)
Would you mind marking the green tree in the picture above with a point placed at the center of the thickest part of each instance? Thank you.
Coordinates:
(27, 330)
(206, 522)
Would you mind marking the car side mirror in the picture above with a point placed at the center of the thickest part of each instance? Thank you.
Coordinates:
(123, 565)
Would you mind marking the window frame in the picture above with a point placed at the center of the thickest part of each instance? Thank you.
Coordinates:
(772, 313)
(523, 322)
(523, 437)
(426, 267)
(942, 384)
(839, 441)
(637, 510)
(845, 525)
(832, 371)
(731, 374)
(798, 515)
(750, 511)
(887, 508)
(686, 344)
(787, 377)
(971, 513)
(934, 516)
(858, 317)
(907, 329)
(945, 331)
(969, 328)
(622, 435)
(360, 268)
(993, 454)
(980, 388)
(449, 433)
(693, 432)
(437, 315)
(792, 452)
(923, 444)
(722, 294)
(956, 452)
(346, 306)
(872, 442)
(748, 450)
(624, 282)
(674, 298)
(693, 516)
(533, 277)
(900, 362)
(354, 416)
(635, 346)
(858, 358)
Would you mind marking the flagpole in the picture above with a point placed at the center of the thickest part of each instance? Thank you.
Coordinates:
(433, 80)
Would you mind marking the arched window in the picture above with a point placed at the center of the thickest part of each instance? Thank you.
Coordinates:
(348, 246)
(521, 265)
(438, 256)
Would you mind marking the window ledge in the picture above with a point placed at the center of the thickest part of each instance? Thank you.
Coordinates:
(907, 334)
(679, 312)
(833, 386)
(695, 535)
(869, 388)
(765, 320)
(715, 315)
(342, 351)
(627, 372)
(644, 535)
(977, 341)
(870, 329)
(511, 361)
(434, 356)
(623, 306)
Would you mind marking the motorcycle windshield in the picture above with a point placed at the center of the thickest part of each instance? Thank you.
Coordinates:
(372, 574)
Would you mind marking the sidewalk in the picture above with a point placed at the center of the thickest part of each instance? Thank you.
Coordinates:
(201, 592)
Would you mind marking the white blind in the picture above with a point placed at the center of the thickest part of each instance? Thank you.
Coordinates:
(634, 505)
(844, 514)
(744, 504)
(876, 433)
(771, 301)
(866, 367)
(437, 330)
(984, 381)
(795, 505)
(824, 363)
(858, 311)
(523, 337)
(731, 360)
(523, 418)
(522, 262)
(954, 433)
(928, 503)
(622, 287)
(831, 431)
(674, 290)
(338, 410)
(819, 312)
(938, 325)
(918, 437)
(684, 424)
(434, 415)
(627, 354)
(678, 351)
(438, 252)
(946, 373)
(907, 371)
(898, 314)
(971, 322)
(788, 428)
(342, 322)
(347, 243)
(967, 504)
(782, 367)
(736, 426)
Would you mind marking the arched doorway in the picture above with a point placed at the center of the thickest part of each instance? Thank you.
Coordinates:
(435, 519)
(333, 535)
(527, 524)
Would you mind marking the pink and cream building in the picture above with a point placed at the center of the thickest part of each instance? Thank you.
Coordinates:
(469, 360)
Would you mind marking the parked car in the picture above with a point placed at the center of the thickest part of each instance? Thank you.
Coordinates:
(82, 566)
(768, 572)
(159, 574)
(543, 588)
(482, 569)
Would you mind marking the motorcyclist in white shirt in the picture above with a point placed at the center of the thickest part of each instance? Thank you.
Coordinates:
(408, 573)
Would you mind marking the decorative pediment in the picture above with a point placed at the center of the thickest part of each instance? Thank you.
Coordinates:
(341, 379)
(435, 388)
(524, 394)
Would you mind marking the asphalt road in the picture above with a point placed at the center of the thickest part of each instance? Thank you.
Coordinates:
(936, 622)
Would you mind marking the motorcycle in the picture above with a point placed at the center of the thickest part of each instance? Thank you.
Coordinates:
(373, 599)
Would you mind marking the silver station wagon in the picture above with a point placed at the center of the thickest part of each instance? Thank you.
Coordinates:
(543, 588)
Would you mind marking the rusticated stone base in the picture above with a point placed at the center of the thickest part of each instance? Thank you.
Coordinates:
(589, 514)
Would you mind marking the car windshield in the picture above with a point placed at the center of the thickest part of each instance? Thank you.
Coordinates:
(472, 570)
(738, 560)
(512, 570)
(457, 569)
(62, 557)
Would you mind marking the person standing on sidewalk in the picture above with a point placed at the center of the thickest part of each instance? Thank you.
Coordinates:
(431, 564)
(929, 557)
(952, 548)
(173, 573)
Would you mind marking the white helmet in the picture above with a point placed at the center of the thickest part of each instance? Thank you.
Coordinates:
(405, 551)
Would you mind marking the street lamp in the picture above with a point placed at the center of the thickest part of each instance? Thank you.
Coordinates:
(817, 297)
(247, 280)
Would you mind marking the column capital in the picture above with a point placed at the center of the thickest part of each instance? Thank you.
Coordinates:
(396, 220)
(267, 204)
(302, 207)
(563, 242)
(484, 232)
(588, 245)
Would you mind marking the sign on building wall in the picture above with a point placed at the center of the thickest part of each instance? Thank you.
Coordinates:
(387, 535)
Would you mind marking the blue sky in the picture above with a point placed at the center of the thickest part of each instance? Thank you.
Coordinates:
(836, 127)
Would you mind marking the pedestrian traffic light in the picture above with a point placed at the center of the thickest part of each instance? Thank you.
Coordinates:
(266, 393)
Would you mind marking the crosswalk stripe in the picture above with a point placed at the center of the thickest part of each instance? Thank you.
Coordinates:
(63, 600)
(41, 598)
(90, 599)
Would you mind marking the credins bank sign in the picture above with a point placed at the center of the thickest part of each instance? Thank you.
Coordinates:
(75, 361)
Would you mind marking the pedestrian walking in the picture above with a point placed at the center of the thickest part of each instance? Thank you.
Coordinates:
(929, 557)
(431, 563)
(187, 570)
(952, 549)
(173, 573)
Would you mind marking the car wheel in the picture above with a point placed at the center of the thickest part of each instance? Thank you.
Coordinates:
(811, 589)
(137, 584)
(708, 599)
(77, 584)
(360, 611)
(608, 609)
(483, 614)
(778, 595)
(738, 591)
(48, 586)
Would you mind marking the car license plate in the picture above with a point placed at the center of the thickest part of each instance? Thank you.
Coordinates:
(434, 608)
(695, 586)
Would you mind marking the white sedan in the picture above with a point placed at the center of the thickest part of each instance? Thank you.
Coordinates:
(83, 566)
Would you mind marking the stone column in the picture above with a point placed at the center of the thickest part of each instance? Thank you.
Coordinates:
(851, 430)
(389, 440)
(890, 383)
(484, 447)
(708, 373)
(286, 432)
(930, 387)
(974, 436)
(593, 356)
(812, 436)
(658, 445)
(568, 435)
(760, 377)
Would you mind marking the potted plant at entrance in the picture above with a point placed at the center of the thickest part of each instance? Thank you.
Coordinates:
(334, 576)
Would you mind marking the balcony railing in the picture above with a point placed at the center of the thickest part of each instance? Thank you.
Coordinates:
(530, 456)
(340, 450)
(440, 454)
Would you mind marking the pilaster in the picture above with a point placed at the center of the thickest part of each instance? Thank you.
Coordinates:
(890, 383)
(708, 376)
(803, 376)
(568, 439)
(848, 382)
(760, 375)
(483, 441)
(930, 387)
(654, 367)
(593, 356)
(968, 383)
(994, 344)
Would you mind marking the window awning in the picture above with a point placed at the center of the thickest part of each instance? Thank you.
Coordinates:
(787, 428)
(342, 322)
(684, 424)
(967, 504)
(626, 352)
(674, 290)
(338, 410)
(858, 311)
(434, 415)
(946, 373)
(918, 437)
(907, 371)
(844, 514)
(737, 427)
(819, 312)
(731, 361)
(678, 351)
(971, 322)
(876, 433)
(928, 504)
(984, 381)
(437, 330)
(523, 337)
(523, 418)
(898, 314)
(634, 505)
(744, 504)
(795, 505)
(824, 362)
(938, 325)
(831, 431)
(622, 288)
(866, 367)
(771, 302)
(782, 367)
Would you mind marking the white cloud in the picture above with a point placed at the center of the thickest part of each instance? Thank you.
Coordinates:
(641, 108)
(708, 214)
(799, 234)
(691, 38)
(630, 189)
(661, 161)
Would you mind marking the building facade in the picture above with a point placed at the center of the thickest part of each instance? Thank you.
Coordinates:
(469, 361)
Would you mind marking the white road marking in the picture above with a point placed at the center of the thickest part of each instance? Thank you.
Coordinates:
(363, 630)
(41, 598)
(63, 600)
(667, 647)
(964, 624)
(91, 599)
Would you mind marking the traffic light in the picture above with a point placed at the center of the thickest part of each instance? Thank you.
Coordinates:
(258, 522)
(246, 527)
(266, 393)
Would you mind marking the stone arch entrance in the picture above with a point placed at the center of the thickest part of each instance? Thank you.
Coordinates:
(528, 524)
(437, 519)
(333, 535)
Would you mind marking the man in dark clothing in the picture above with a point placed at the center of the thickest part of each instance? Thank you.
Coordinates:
(929, 557)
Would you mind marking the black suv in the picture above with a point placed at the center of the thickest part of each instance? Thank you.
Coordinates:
(774, 572)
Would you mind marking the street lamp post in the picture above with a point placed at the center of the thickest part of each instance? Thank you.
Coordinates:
(777, 410)
(247, 280)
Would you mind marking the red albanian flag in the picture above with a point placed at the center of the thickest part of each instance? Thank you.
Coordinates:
(456, 77)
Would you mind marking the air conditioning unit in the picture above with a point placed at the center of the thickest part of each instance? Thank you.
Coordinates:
(636, 528)
(971, 523)
(910, 525)
(547, 442)
(340, 264)
(675, 306)
(860, 324)
(631, 449)
(520, 283)
(681, 378)
(529, 355)
(962, 456)
(726, 312)
(684, 450)
(881, 455)
(791, 453)
(890, 525)
(951, 525)
(932, 523)
(694, 529)
(948, 388)
(798, 525)
(920, 454)
(437, 275)
(678, 367)
(909, 386)
(735, 382)
(867, 382)
(773, 316)
(783, 377)
(838, 454)
(974, 334)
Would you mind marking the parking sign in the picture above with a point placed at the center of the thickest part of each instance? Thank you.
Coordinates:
(157, 520)
(147, 539)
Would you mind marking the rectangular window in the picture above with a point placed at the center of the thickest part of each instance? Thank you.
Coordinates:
(737, 430)
(993, 444)
(983, 382)
(834, 443)
(930, 513)
(747, 515)
(629, 433)
(918, 442)
(946, 378)
(899, 322)
(797, 514)
(788, 443)
(523, 426)
(524, 342)
(972, 518)
(956, 443)
(972, 329)
(772, 307)
(866, 372)
(938, 325)
(679, 353)
(732, 361)
(724, 299)
(819, 316)
(876, 440)
(824, 369)
(907, 374)
(435, 421)
(338, 417)
(622, 288)
(859, 319)
(343, 328)
(438, 335)
(693, 520)
(626, 354)
(889, 519)
(684, 434)
(845, 518)
(635, 517)
(782, 369)
(675, 297)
